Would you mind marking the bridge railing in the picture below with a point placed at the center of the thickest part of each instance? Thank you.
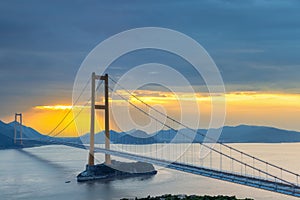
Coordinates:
(281, 173)
(217, 159)
(248, 161)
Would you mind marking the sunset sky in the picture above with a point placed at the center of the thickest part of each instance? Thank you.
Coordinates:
(255, 45)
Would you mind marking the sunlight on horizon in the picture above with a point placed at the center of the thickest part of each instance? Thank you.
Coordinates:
(256, 108)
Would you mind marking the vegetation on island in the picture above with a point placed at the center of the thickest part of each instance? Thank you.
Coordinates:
(187, 197)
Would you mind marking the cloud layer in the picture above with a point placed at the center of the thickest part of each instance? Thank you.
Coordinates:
(255, 44)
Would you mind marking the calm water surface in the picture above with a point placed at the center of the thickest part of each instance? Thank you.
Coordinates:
(41, 173)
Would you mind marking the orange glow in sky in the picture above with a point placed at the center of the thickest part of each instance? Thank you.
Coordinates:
(55, 107)
(255, 108)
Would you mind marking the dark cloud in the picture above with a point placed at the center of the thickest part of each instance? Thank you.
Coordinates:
(42, 43)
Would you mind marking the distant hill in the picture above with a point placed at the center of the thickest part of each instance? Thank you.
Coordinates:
(236, 134)
(258, 134)
(27, 131)
(7, 136)
(137, 137)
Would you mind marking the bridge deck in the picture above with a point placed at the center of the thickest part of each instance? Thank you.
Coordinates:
(257, 182)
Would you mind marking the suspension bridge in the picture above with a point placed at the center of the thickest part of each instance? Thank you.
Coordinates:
(221, 161)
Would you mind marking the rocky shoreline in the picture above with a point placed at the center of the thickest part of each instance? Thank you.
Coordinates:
(187, 197)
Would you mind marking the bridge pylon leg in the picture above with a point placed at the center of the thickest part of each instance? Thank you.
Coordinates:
(107, 134)
(92, 126)
(16, 125)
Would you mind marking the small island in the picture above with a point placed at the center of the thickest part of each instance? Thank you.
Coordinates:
(116, 169)
(187, 197)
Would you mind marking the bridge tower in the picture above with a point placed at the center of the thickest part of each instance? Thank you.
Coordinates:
(104, 107)
(18, 125)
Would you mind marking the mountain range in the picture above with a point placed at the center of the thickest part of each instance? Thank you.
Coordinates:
(230, 134)
(7, 137)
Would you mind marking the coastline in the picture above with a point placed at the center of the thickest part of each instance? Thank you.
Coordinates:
(116, 170)
(187, 197)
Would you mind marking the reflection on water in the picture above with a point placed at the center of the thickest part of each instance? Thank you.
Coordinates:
(42, 172)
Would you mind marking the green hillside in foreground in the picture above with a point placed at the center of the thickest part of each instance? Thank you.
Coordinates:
(186, 197)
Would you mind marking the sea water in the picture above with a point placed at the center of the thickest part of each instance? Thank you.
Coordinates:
(49, 172)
